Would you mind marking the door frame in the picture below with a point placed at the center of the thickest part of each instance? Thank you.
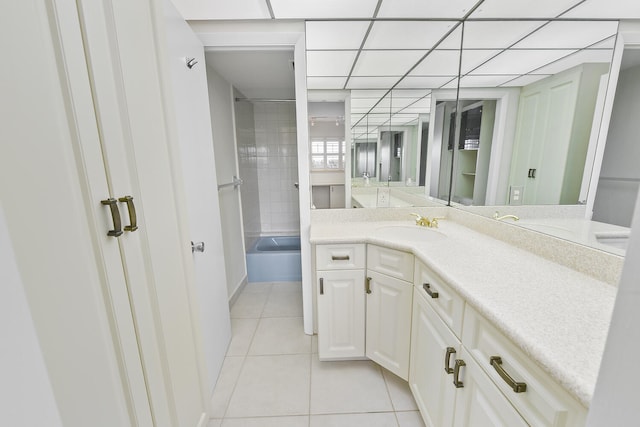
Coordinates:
(278, 35)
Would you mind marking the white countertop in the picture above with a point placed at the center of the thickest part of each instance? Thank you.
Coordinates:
(556, 315)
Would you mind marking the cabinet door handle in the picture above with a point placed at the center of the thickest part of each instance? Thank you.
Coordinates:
(115, 215)
(496, 362)
(339, 257)
(456, 373)
(367, 285)
(321, 286)
(427, 289)
(447, 360)
(133, 219)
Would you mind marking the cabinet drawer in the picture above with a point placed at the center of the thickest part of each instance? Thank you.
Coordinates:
(444, 300)
(391, 262)
(544, 402)
(347, 256)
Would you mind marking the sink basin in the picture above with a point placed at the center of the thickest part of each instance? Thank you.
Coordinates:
(413, 233)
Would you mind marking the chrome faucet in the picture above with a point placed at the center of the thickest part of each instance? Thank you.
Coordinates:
(497, 216)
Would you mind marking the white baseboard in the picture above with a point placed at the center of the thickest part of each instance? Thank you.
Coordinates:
(238, 290)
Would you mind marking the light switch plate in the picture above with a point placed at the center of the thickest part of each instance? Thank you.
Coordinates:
(383, 198)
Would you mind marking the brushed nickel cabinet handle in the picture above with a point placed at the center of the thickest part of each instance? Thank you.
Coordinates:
(321, 286)
(133, 219)
(115, 215)
(427, 289)
(456, 373)
(339, 257)
(517, 387)
(367, 285)
(447, 360)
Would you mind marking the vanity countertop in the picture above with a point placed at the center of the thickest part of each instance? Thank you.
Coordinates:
(556, 315)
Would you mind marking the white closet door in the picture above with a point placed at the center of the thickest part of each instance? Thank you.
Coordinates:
(72, 274)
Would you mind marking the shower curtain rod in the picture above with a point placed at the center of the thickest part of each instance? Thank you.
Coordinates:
(263, 100)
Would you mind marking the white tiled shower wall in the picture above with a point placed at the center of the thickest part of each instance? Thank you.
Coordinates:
(269, 189)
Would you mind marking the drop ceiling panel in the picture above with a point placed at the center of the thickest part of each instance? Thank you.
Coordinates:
(474, 58)
(439, 63)
(406, 34)
(569, 35)
(425, 9)
(399, 103)
(485, 81)
(525, 80)
(313, 9)
(386, 62)
(434, 82)
(330, 63)
(627, 9)
(337, 35)
(410, 93)
(606, 44)
(520, 61)
(581, 57)
(222, 9)
(453, 40)
(496, 34)
(523, 8)
(326, 82)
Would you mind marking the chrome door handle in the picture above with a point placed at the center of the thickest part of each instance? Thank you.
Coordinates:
(197, 247)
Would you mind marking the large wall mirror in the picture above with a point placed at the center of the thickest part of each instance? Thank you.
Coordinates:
(486, 115)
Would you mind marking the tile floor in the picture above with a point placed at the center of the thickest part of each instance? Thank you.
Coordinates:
(272, 377)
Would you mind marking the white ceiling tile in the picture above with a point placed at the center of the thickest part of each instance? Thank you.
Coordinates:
(425, 82)
(606, 44)
(439, 63)
(371, 82)
(330, 63)
(386, 62)
(410, 93)
(309, 9)
(485, 81)
(368, 94)
(496, 34)
(581, 57)
(473, 58)
(222, 9)
(569, 35)
(407, 34)
(325, 82)
(400, 103)
(422, 103)
(453, 41)
(335, 34)
(627, 9)
(453, 84)
(523, 8)
(525, 80)
(425, 9)
(520, 61)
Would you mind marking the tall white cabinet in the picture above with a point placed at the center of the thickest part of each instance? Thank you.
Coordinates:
(114, 312)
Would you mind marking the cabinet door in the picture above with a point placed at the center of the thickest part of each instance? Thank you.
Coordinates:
(341, 314)
(431, 385)
(479, 403)
(389, 322)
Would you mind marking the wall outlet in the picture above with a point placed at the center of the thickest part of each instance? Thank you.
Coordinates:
(383, 198)
(516, 194)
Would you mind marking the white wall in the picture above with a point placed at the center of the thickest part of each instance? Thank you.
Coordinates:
(620, 174)
(277, 163)
(248, 168)
(224, 147)
(26, 397)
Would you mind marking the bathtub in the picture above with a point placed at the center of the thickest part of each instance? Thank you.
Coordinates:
(274, 259)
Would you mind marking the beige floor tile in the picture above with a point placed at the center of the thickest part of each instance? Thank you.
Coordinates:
(381, 419)
(347, 387)
(272, 386)
(214, 422)
(249, 305)
(314, 344)
(267, 422)
(242, 331)
(257, 287)
(224, 387)
(280, 335)
(410, 419)
(283, 304)
(401, 396)
(287, 287)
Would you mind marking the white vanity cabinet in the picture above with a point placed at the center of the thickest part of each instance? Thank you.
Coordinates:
(389, 293)
(340, 297)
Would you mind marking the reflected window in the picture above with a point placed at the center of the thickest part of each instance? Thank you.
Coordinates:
(327, 153)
